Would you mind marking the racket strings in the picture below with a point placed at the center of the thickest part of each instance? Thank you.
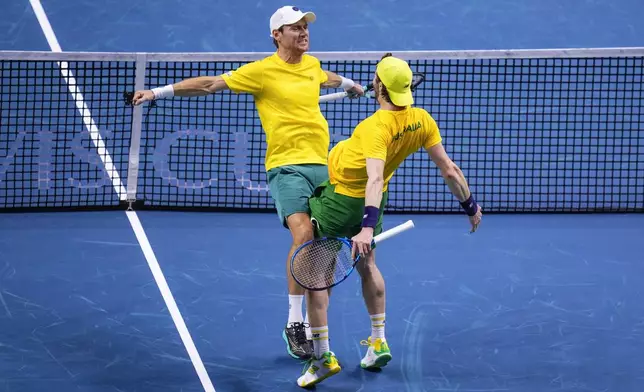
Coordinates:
(322, 263)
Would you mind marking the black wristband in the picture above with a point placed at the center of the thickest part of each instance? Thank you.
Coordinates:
(370, 216)
(470, 206)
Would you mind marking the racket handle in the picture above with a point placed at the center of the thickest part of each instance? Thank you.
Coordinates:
(333, 97)
(343, 94)
(393, 231)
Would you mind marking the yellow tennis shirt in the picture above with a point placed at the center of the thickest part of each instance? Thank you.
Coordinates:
(387, 135)
(287, 100)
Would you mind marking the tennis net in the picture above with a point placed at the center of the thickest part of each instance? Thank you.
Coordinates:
(533, 131)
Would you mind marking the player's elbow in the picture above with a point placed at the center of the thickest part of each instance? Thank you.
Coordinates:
(376, 181)
(214, 84)
(450, 171)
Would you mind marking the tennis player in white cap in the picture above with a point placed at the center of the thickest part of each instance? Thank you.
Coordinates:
(286, 87)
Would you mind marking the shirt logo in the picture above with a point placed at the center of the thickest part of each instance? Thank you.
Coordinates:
(408, 128)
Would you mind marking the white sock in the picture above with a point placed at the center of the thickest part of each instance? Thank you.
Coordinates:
(320, 340)
(377, 326)
(307, 329)
(295, 309)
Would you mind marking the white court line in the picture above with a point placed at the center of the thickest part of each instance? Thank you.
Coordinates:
(120, 190)
(169, 300)
(80, 101)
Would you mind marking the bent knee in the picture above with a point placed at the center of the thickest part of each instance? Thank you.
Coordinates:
(301, 227)
(318, 300)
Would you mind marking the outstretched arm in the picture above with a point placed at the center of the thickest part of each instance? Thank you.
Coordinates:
(192, 87)
(451, 173)
(201, 85)
(247, 78)
(456, 182)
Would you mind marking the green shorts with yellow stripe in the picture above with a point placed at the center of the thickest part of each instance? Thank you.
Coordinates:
(337, 215)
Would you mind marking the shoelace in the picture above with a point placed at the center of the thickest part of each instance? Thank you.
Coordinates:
(299, 330)
(377, 345)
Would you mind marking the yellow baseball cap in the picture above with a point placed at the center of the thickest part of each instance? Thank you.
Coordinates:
(396, 75)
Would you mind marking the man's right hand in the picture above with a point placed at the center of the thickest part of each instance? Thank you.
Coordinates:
(355, 91)
(142, 96)
(475, 219)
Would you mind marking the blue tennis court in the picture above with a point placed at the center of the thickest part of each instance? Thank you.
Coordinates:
(544, 297)
(531, 303)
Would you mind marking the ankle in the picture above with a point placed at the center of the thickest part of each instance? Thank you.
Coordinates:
(377, 326)
(295, 309)
(320, 341)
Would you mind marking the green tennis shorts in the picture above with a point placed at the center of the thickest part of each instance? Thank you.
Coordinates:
(337, 215)
(292, 185)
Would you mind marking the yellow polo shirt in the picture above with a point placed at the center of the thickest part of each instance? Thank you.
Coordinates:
(287, 100)
(387, 135)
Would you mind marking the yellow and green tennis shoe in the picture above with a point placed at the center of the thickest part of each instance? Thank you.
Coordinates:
(317, 370)
(378, 354)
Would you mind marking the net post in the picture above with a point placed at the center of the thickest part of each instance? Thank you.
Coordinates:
(135, 137)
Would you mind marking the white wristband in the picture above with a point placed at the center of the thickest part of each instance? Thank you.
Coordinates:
(163, 92)
(346, 83)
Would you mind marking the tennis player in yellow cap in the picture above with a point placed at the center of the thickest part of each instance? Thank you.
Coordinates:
(350, 203)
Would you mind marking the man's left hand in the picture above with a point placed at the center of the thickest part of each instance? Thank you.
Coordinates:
(362, 242)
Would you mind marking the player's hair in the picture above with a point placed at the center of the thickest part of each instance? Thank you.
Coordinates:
(281, 30)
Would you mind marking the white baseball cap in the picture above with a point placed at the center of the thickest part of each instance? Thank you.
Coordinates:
(288, 15)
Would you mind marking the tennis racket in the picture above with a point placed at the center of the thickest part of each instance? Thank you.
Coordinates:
(369, 92)
(325, 262)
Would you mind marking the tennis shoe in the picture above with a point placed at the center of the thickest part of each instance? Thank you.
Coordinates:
(317, 370)
(378, 354)
(297, 345)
